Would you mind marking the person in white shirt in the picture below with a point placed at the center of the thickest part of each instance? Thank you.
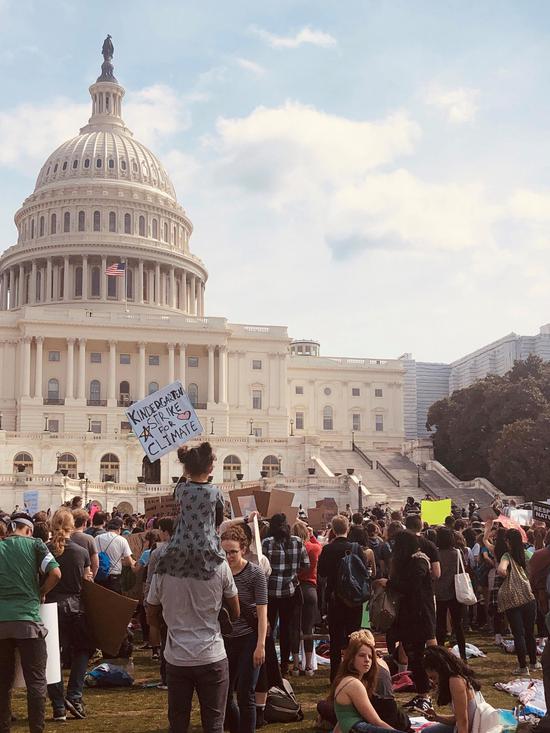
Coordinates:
(118, 551)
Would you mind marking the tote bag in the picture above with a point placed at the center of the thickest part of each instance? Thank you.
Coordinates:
(464, 590)
(515, 590)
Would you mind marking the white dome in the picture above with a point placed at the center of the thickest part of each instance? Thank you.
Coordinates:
(108, 155)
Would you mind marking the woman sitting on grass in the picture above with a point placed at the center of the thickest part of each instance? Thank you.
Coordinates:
(354, 685)
(456, 686)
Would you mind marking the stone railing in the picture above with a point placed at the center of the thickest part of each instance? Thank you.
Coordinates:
(476, 483)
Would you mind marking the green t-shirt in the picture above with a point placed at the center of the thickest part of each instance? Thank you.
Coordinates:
(21, 561)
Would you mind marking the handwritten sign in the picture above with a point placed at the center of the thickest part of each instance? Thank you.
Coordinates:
(164, 420)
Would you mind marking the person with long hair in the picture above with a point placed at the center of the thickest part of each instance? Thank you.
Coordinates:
(308, 586)
(520, 617)
(76, 647)
(245, 645)
(499, 621)
(287, 556)
(194, 550)
(415, 622)
(354, 685)
(445, 595)
(456, 686)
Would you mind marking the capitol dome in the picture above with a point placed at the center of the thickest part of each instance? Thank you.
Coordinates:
(100, 199)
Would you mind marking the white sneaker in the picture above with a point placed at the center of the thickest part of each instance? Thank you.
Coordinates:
(535, 667)
(309, 672)
(523, 671)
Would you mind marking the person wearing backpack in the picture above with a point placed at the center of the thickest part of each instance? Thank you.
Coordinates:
(343, 619)
(113, 552)
(458, 687)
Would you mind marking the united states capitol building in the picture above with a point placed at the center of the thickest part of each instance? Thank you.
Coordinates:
(77, 346)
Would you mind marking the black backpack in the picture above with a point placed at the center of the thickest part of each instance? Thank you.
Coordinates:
(353, 582)
(282, 706)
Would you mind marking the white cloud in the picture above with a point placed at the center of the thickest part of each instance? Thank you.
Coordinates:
(533, 206)
(251, 66)
(154, 113)
(306, 35)
(459, 105)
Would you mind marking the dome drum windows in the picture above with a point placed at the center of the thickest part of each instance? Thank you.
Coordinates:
(87, 163)
(127, 224)
(81, 221)
(66, 222)
(142, 226)
(97, 221)
(112, 221)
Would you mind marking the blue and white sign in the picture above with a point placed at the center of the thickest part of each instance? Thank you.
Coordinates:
(30, 500)
(164, 420)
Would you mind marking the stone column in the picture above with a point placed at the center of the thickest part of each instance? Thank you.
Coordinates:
(172, 287)
(38, 368)
(171, 370)
(26, 366)
(55, 282)
(141, 370)
(13, 289)
(32, 284)
(182, 364)
(66, 280)
(5, 290)
(82, 368)
(111, 388)
(222, 389)
(48, 283)
(69, 391)
(193, 308)
(210, 374)
(243, 394)
(103, 280)
(84, 277)
(201, 299)
(158, 299)
(151, 286)
(282, 380)
(21, 298)
(139, 298)
(183, 297)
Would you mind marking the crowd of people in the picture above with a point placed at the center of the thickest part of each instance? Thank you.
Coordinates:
(229, 616)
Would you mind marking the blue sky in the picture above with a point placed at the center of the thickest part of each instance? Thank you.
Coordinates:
(372, 174)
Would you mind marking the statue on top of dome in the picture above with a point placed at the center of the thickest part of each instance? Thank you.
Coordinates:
(107, 67)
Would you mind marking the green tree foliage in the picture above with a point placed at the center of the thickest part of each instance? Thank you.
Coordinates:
(499, 427)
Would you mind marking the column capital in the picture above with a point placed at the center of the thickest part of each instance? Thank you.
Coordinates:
(171, 347)
(182, 347)
(82, 341)
(39, 339)
(210, 348)
(222, 349)
(71, 339)
(25, 339)
(112, 343)
(142, 344)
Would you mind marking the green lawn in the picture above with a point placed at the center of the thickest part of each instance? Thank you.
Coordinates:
(142, 710)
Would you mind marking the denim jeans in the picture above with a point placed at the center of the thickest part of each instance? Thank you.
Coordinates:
(211, 682)
(75, 686)
(522, 625)
(33, 662)
(439, 728)
(241, 716)
(364, 727)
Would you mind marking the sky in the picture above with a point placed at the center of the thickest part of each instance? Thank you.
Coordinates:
(373, 175)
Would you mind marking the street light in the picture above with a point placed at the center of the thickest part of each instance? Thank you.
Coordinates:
(291, 427)
(418, 476)
(211, 426)
(353, 439)
(280, 458)
(251, 426)
(359, 493)
(45, 423)
(57, 456)
(89, 424)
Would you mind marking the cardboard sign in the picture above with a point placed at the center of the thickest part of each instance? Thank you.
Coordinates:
(247, 505)
(487, 513)
(108, 615)
(164, 420)
(256, 541)
(30, 500)
(434, 512)
(541, 511)
(137, 543)
(321, 515)
(160, 506)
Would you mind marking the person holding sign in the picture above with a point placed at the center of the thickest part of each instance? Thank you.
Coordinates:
(195, 550)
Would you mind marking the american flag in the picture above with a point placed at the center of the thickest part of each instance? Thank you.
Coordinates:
(116, 270)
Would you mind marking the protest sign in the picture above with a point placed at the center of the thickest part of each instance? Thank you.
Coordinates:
(256, 541)
(164, 420)
(160, 506)
(487, 513)
(434, 512)
(541, 511)
(321, 515)
(108, 615)
(247, 505)
(509, 523)
(48, 616)
(30, 500)
(137, 543)
(234, 495)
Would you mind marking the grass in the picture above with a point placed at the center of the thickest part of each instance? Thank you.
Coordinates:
(143, 710)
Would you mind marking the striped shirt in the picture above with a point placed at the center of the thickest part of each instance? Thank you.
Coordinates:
(252, 589)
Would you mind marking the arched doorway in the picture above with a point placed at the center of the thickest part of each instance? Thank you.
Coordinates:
(22, 462)
(150, 471)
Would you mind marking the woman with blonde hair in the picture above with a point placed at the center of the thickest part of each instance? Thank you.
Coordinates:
(354, 685)
(74, 563)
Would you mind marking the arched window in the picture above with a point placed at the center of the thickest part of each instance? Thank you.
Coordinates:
(53, 224)
(124, 389)
(112, 221)
(111, 287)
(95, 282)
(231, 467)
(155, 226)
(175, 237)
(66, 222)
(32, 228)
(127, 224)
(193, 394)
(41, 227)
(111, 164)
(78, 282)
(153, 387)
(87, 163)
(165, 232)
(98, 163)
(67, 463)
(327, 418)
(22, 462)
(129, 283)
(81, 221)
(272, 465)
(97, 221)
(109, 468)
(141, 226)
(95, 392)
(123, 165)
(53, 389)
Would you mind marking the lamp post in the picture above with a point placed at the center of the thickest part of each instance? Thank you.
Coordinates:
(291, 427)
(89, 424)
(0, 421)
(353, 439)
(418, 476)
(57, 456)
(360, 493)
(280, 459)
(251, 422)
(45, 423)
(211, 426)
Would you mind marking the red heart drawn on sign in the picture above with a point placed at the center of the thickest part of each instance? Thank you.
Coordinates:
(184, 415)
